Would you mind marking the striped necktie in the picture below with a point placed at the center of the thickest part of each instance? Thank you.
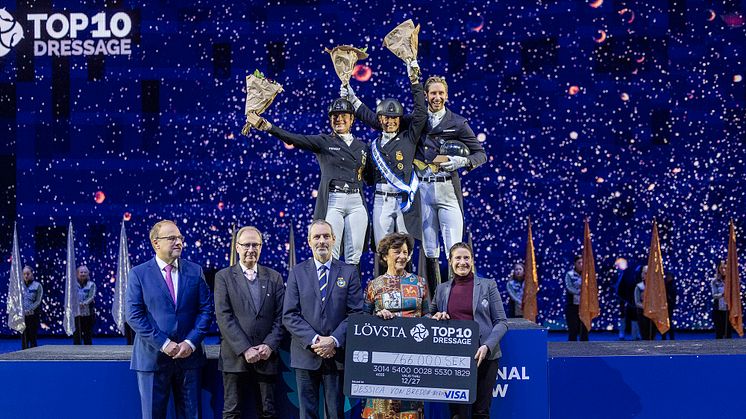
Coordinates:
(323, 281)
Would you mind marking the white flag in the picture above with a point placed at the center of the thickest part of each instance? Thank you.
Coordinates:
(16, 319)
(72, 308)
(120, 288)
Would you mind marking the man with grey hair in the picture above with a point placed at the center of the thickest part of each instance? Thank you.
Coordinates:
(321, 293)
(248, 308)
(84, 320)
(169, 306)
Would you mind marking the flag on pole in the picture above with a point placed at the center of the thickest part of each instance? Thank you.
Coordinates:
(291, 248)
(72, 308)
(471, 245)
(16, 319)
(589, 309)
(120, 288)
(531, 282)
(654, 302)
(733, 283)
(233, 258)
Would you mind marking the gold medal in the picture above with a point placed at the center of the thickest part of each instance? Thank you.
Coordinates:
(399, 155)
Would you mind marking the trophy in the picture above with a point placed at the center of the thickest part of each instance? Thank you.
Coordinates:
(403, 42)
(260, 92)
(344, 58)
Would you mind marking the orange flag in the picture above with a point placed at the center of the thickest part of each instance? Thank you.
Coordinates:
(733, 284)
(589, 288)
(531, 281)
(654, 300)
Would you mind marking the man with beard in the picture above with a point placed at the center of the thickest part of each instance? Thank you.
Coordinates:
(342, 159)
(169, 306)
(321, 293)
(248, 308)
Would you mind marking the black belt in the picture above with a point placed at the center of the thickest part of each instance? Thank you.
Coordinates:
(335, 189)
(436, 179)
(387, 194)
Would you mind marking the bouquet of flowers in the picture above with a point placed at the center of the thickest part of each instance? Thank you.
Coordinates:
(260, 92)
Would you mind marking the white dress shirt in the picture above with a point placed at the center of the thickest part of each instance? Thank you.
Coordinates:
(434, 118)
(328, 265)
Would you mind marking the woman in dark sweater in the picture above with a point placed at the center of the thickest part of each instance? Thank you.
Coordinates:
(468, 297)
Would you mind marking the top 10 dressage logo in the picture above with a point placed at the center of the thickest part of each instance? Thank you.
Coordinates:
(11, 32)
(69, 33)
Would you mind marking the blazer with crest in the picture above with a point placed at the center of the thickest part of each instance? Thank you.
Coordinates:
(305, 316)
(399, 152)
(451, 127)
(488, 312)
(337, 161)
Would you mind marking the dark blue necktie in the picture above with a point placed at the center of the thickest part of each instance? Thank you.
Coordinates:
(323, 280)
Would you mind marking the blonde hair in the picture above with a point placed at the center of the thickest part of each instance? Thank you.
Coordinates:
(435, 79)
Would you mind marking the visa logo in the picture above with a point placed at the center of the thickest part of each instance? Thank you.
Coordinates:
(455, 395)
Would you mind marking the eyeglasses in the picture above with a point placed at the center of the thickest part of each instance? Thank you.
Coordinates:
(250, 245)
(172, 238)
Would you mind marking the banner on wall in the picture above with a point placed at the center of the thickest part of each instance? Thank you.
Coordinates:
(67, 34)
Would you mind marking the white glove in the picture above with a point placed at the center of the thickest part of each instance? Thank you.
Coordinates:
(454, 163)
(346, 92)
(413, 71)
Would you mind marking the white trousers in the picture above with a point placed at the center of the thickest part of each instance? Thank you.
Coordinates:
(346, 213)
(387, 215)
(440, 212)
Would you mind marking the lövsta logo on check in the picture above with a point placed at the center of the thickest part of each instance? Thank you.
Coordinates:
(419, 332)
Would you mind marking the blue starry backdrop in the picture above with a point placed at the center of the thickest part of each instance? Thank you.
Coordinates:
(620, 111)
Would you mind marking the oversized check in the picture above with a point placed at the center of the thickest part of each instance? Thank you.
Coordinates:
(411, 359)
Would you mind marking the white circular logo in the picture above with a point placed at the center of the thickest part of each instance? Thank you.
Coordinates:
(11, 32)
(419, 332)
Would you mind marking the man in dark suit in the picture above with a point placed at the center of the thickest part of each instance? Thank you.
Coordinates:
(248, 307)
(169, 307)
(321, 293)
(441, 200)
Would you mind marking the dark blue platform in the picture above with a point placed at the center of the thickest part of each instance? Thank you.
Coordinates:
(659, 379)
(651, 379)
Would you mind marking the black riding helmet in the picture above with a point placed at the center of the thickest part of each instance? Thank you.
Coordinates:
(454, 148)
(341, 106)
(389, 107)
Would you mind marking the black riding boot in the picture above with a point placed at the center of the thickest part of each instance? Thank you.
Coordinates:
(432, 274)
